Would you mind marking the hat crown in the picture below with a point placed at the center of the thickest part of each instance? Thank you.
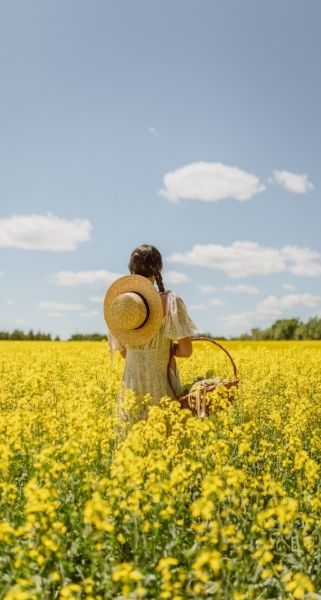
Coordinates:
(129, 310)
(133, 310)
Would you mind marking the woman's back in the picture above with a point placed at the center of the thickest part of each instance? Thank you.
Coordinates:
(143, 323)
(146, 365)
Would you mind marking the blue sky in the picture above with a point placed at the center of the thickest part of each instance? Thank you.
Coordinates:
(192, 125)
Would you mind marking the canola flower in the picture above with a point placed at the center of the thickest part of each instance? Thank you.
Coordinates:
(171, 507)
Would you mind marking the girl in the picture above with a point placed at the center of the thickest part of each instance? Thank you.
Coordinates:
(146, 361)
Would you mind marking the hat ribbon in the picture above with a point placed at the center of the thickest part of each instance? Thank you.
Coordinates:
(147, 310)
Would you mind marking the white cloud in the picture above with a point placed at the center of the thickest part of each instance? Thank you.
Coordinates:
(97, 299)
(238, 260)
(43, 232)
(267, 310)
(153, 131)
(90, 313)
(289, 287)
(270, 307)
(8, 301)
(104, 278)
(211, 302)
(21, 321)
(306, 262)
(274, 307)
(241, 320)
(293, 181)
(207, 289)
(200, 306)
(240, 288)
(60, 307)
(174, 277)
(215, 302)
(1, 273)
(210, 182)
(242, 259)
(77, 278)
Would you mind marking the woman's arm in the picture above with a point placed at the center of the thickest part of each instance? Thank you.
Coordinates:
(183, 348)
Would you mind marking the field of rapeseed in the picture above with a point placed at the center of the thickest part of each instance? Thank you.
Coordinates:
(174, 507)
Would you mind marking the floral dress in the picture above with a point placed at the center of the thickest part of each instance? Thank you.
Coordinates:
(146, 366)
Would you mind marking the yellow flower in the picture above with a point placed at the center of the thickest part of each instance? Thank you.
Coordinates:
(225, 494)
(167, 562)
(208, 558)
(126, 572)
(15, 593)
(298, 584)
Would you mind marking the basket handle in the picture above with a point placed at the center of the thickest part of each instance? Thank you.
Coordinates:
(201, 339)
(205, 339)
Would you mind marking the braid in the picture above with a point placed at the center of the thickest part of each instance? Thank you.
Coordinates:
(159, 281)
(146, 260)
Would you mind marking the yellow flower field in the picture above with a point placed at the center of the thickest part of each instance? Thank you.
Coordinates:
(174, 507)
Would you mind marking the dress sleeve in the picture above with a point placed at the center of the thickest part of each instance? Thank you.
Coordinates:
(178, 323)
(114, 344)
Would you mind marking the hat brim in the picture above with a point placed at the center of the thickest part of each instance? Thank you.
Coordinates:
(144, 287)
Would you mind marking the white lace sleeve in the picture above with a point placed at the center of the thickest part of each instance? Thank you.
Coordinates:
(114, 344)
(178, 323)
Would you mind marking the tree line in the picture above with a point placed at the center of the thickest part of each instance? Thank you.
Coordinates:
(282, 329)
(18, 334)
(287, 329)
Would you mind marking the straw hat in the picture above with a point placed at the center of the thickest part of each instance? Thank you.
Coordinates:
(133, 310)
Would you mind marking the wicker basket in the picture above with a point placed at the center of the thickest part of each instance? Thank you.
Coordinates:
(195, 399)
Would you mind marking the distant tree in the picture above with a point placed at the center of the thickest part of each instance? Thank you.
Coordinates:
(4, 335)
(245, 336)
(287, 329)
(19, 335)
(284, 329)
(87, 337)
(257, 333)
(313, 329)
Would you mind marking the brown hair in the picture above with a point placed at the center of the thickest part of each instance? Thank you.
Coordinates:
(146, 260)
